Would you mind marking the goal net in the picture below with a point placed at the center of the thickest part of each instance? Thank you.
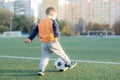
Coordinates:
(97, 33)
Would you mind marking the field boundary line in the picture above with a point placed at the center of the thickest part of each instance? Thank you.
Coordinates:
(82, 61)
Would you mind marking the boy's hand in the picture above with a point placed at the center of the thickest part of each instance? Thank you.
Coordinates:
(28, 41)
(56, 39)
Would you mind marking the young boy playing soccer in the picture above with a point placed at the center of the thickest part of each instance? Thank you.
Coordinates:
(49, 35)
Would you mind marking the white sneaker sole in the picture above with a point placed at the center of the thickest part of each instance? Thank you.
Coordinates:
(41, 74)
(73, 65)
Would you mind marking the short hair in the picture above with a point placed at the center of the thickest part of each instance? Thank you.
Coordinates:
(49, 9)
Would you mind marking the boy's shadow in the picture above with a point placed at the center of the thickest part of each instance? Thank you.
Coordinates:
(22, 72)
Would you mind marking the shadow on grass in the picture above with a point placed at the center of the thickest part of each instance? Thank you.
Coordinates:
(22, 72)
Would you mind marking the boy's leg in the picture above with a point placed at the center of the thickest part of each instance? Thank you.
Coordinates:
(56, 48)
(46, 54)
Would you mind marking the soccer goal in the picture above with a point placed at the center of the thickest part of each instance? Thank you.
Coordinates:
(97, 33)
(12, 34)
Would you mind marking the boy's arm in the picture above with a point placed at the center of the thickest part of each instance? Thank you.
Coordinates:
(32, 35)
(56, 30)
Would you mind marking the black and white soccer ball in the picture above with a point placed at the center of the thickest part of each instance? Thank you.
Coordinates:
(60, 65)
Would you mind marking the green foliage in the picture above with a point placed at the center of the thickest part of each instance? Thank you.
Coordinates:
(116, 27)
(19, 22)
(3, 28)
(98, 27)
(65, 28)
(4, 20)
(23, 23)
(61, 23)
(79, 27)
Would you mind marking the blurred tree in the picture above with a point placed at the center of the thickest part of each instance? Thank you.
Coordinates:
(20, 22)
(23, 23)
(116, 27)
(5, 16)
(65, 28)
(108, 29)
(106, 26)
(97, 26)
(89, 26)
(61, 23)
(79, 27)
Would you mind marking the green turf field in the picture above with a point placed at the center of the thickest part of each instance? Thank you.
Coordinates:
(86, 49)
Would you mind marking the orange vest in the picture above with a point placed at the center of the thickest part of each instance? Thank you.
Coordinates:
(46, 32)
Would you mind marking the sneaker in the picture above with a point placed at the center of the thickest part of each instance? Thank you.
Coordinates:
(40, 73)
(73, 64)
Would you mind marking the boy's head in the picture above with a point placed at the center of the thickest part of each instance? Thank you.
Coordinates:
(51, 11)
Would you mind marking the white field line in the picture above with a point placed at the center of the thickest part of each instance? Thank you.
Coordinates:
(82, 61)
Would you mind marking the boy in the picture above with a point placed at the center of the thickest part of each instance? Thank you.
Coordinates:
(49, 35)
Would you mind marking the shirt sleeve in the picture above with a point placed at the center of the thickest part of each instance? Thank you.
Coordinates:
(56, 28)
(34, 33)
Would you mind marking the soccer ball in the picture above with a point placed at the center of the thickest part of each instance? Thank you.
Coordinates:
(60, 65)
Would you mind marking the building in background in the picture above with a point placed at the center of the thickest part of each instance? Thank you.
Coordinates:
(115, 10)
(74, 12)
(2, 4)
(99, 11)
(36, 10)
(23, 7)
(70, 10)
(77, 9)
(40, 11)
(104, 11)
(59, 5)
(20, 7)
